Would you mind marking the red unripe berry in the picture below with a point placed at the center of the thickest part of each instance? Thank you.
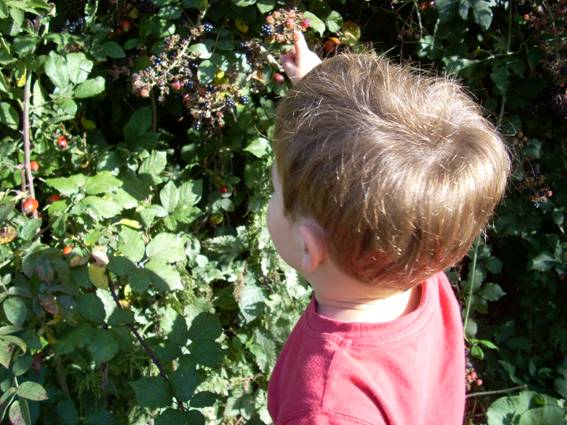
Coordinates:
(53, 198)
(67, 250)
(526, 17)
(62, 142)
(145, 92)
(306, 23)
(278, 78)
(223, 189)
(30, 205)
(177, 85)
(34, 166)
(479, 382)
(126, 25)
(289, 23)
(424, 5)
(270, 20)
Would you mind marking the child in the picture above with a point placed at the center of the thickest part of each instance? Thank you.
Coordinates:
(382, 179)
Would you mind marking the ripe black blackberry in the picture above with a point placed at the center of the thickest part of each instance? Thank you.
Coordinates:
(245, 100)
(208, 27)
(230, 102)
(266, 30)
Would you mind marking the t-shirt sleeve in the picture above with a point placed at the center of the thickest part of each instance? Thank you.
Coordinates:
(329, 418)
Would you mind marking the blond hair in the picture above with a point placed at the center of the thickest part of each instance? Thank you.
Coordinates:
(400, 169)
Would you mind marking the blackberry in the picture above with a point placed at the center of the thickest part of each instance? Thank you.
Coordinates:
(230, 102)
(208, 27)
(189, 85)
(244, 100)
(266, 30)
(211, 88)
(197, 125)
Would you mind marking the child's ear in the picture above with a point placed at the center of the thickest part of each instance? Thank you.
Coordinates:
(313, 245)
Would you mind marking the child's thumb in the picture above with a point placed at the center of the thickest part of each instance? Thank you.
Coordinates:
(300, 45)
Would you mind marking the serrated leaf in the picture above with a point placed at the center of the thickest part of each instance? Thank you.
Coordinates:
(67, 186)
(55, 68)
(154, 164)
(202, 50)
(491, 291)
(91, 307)
(78, 67)
(316, 23)
(164, 277)
(112, 50)
(185, 379)
(152, 392)
(166, 247)
(207, 352)
(32, 391)
(251, 300)
(139, 123)
(103, 347)
(258, 147)
(101, 207)
(169, 197)
(102, 182)
(205, 326)
(171, 417)
(131, 244)
(90, 88)
(482, 13)
(334, 21)
(9, 116)
(264, 350)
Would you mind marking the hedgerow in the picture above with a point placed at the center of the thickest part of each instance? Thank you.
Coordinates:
(138, 281)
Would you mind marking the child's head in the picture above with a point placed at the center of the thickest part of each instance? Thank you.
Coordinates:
(400, 170)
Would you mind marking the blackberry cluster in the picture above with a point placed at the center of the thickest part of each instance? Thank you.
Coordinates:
(245, 100)
(74, 26)
(208, 27)
(230, 102)
(282, 24)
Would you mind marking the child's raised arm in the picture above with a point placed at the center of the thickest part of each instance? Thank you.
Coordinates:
(299, 60)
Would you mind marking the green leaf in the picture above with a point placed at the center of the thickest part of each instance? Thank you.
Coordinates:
(90, 88)
(138, 124)
(542, 262)
(166, 247)
(185, 379)
(56, 69)
(259, 147)
(30, 229)
(334, 21)
(67, 186)
(251, 300)
(78, 337)
(190, 192)
(206, 352)
(195, 4)
(103, 182)
(202, 50)
(154, 164)
(169, 197)
(206, 71)
(139, 280)
(164, 277)
(500, 77)
(113, 50)
(264, 350)
(171, 417)
(101, 207)
(206, 326)
(67, 410)
(103, 347)
(15, 310)
(131, 244)
(32, 391)
(91, 307)
(152, 392)
(491, 291)
(264, 6)
(9, 116)
(78, 67)
(482, 13)
(19, 413)
(316, 23)
(5, 400)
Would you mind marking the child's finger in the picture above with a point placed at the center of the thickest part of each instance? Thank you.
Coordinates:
(300, 45)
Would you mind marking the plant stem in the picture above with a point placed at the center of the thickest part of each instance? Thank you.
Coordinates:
(502, 391)
(27, 142)
(144, 344)
(154, 113)
(472, 280)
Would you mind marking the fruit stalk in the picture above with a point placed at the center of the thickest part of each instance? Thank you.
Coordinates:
(27, 142)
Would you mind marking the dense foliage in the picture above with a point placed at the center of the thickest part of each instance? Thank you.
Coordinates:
(138, 282)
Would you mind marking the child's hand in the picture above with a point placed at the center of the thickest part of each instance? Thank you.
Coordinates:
(299, 60)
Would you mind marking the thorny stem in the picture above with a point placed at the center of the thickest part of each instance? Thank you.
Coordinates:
(502, 391)
(144, 344)
(27, 142)
(154, 113)
(472, 280)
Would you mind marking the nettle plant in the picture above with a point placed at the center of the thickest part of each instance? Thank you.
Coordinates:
(138, 283)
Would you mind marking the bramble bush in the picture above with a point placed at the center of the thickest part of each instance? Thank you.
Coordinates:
(138, 282)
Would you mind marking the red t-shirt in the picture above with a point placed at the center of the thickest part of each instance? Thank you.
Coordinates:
(409, 371)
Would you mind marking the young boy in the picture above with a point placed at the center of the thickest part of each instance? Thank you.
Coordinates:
(382, 179)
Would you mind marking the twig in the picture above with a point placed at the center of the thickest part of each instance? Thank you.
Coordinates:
(144, 344)
(27, 143)
(154, 113)
(502, 391)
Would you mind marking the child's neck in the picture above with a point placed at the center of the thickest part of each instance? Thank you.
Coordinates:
(358, 309)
